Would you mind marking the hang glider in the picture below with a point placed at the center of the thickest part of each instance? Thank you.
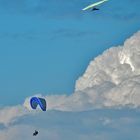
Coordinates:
(93, 6)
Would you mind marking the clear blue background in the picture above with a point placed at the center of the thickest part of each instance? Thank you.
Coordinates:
(45, 45)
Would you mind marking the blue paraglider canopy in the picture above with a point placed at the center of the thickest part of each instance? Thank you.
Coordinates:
(35, 101)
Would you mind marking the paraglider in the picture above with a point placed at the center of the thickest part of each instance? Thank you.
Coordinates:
(93, 6)
(35, 101)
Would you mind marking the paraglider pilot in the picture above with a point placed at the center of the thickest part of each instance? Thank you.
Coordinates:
(35, 133)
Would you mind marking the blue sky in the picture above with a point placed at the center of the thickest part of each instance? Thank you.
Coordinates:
(45, 45)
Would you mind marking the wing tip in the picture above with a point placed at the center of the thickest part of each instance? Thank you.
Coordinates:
(83, 9)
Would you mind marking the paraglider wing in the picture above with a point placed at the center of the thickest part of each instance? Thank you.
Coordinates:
(94, 4)
(35, 101)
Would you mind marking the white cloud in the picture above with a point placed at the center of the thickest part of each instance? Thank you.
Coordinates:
(115, 65)
(112, 80)
(9, 115)
(96, 124)
(119, 66)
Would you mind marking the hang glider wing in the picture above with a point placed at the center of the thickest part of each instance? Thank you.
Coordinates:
(94, 5)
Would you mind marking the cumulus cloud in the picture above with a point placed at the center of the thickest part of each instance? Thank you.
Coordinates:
(9, 115)
(120, 68)
(96, 124)
(111, 80)
(103, 101)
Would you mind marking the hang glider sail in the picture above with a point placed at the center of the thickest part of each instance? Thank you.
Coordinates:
(93, 6)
